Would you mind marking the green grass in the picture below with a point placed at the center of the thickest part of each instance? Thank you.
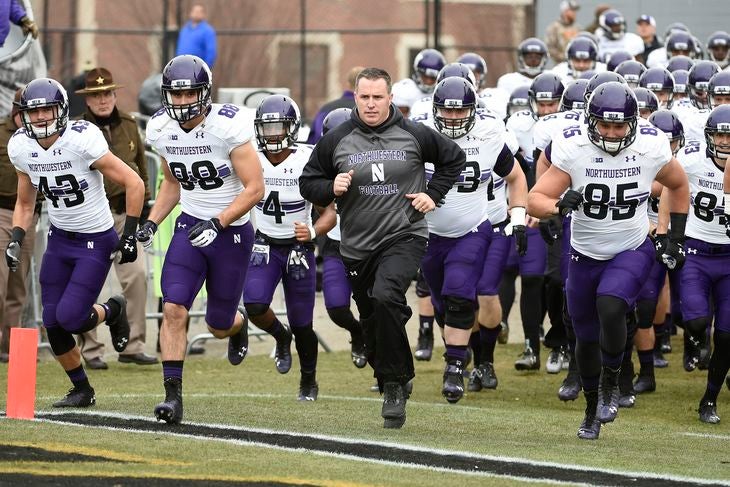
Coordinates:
(523, 418)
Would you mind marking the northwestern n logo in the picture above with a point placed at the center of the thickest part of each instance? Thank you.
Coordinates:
(378, 172)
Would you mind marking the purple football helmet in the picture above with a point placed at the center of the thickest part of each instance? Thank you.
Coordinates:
(680, 43)
(581, 49)
(681, 78)
(612, 102)
(670, 124)
(631, 71)
(478, 66)
(647, 101)
(613, 24)
(546, 87)
(675, 27)
(699, 50)
(531, 45)
(599, 79)
(183, 73)
(718, 90)
(680, 62)
(334, 118)
(587, 35)
(615, 58)
(454, 94)
(427, 64)
(661, 82)
(44, 93)
(586, 75)
(718, 48)
(718, 123)
(276, 123)
(574, 96)
(698, 82)
(518, 100)
(459, 70)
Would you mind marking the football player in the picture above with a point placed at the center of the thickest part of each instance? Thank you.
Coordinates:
(532, 57)
(426, 67)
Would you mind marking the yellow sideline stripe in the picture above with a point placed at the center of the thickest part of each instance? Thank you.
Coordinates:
(82, 450)
(43, 472)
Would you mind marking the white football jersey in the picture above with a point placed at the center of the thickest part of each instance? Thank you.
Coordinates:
(616, 188)
(521, 124)
(200, 158)
(63, 173)
(564, 71)
(706, 220)
(422, 109)
(465, 206)
(407, 92)
(283, 204)
(495, 100)
(549, 126)
(511, 81)
(629, 42)
(657, 58)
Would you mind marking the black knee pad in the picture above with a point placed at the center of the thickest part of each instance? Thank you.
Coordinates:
(459, 312)
(341, 316)
(440, 319)
(645, 310)
(696, 327)
(422, 289)
(256, 309)
(60, 340)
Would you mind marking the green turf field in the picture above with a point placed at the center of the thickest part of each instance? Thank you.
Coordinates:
(522, 419)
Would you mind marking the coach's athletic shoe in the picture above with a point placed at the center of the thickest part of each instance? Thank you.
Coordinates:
(590, 428)
(659, 361)
(119, 325)
(527, 360)
(645, 383)
(357, 349)
(627, 395)
(503, 336)
(424, 346)
(453, 388)
(171, 409)
(570, 388)
(394, 405)
(238, 343)
(308, 388)
(282, 356)
(708, 412)
(608, 395)
(555, 360)
(77, 397)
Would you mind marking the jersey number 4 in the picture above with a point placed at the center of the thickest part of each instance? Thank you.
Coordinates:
(66, 184)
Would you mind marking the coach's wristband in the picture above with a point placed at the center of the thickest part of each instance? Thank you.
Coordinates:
(677, 224)
(130, 225)
(17, 235)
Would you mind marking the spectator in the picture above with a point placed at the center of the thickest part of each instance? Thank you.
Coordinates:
(560, 32)
(347, 100)
(646, 28)
(594, 28)
(197, 37)
(13, 11)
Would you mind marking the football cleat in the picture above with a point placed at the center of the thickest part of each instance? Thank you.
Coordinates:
(394, 405)
(590, 427)
(238, 343)
(308, 388)
(119, 326)
(659, 361)
(357, 349)
(503, 336)
(570, 388)
(608, 395)
(475, 381)
(282, 356)
(77, 397)
(645, 383)
(708, 412)
(453, 388)
(527, 360)
(171, 409)
(666, 342)
(555, 361)
(489, 377)
(424, 346)
(627, 395)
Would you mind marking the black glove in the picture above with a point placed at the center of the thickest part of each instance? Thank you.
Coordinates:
(520, 234)
(203, 233)
(551, 229)
(146, 233)
(297, 265)
(260, 252)
(661, 241)
(674, 256)
(126, 250)
(570, 201)
(12, 252)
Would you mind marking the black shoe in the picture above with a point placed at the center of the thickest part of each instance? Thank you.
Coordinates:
(394, 405)
(570, 388)
(475, 381)
(590, 428)
(308, 388)
(503, 336)
(659, 361)
(528, 360)
(119, 326)
(139, 359)
(171, 409)
(96, 364)
(489, 377)
(77, 397)
(424, 347)
(238, 343)
(665, 341)
(282, 356)
(645, 383)
(357, 349)
(708, 412)
(608, 395)
(627, 395)
(453, 388)
(691, 356)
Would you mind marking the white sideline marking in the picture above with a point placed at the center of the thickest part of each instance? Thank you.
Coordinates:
(708, 435)
(399, 446)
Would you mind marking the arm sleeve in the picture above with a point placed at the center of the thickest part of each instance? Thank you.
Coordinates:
(318, 175)
(447, 157)
(505, 162)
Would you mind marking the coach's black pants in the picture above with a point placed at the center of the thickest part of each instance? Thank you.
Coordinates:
(379, 285)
